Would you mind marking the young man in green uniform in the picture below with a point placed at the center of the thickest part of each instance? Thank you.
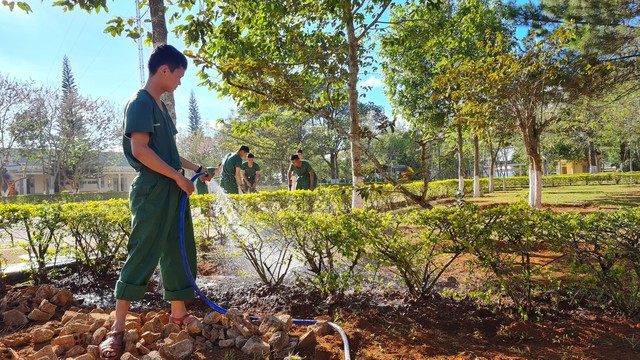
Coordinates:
(292, 181)
(202, 186)
(250, 174)
(307, 179)
(156, 193)
(232, 171)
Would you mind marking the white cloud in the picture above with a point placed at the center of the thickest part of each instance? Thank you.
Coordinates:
(371, 82)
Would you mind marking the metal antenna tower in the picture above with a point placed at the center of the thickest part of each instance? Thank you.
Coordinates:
(139, 41)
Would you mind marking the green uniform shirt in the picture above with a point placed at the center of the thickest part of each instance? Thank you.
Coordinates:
(201, 186)
(250, 171)
(142, 114)
(229, 165)
(302, 172)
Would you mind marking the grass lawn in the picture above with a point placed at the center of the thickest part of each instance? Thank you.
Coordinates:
(594, 197)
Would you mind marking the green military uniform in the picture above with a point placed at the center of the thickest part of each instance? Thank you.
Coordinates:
(154, 200)
(201, 186)
(250, 172)
(304, 180)
(229, 165)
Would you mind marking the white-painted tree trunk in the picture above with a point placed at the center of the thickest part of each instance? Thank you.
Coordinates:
(460, 161)
(356, 199)
(537, 199)
(532, 182)
(492, 169)
(476, 167)
(535, 183)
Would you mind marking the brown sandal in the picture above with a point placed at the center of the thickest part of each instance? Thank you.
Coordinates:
(112, 347)
(181, 320)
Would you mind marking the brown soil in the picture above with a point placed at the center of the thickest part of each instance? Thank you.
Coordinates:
(391, 325)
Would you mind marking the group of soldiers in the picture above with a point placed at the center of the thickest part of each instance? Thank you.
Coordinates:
(239, 176)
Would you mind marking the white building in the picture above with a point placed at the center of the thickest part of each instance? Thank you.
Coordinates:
(30, 178)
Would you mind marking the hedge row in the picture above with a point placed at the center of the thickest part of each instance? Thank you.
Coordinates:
(437, 189)
(65, 197)
(339, 248)
(598, 252)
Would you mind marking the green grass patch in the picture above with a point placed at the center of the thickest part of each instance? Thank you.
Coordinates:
(604, 197)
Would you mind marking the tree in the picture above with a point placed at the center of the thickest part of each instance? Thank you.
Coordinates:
(15, 99)
(324, 140)
(528, 85)
(303, 55)
(606, 32)
(200, 147)
(66, 133)
(424, 42)
(195, 124)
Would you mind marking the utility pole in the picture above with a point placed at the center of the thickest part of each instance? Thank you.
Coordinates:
(139, 41)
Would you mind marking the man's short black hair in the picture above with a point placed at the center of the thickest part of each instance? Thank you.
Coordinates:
(166, 55)
(250, 156)
(299, 151)
(294, 157)
(244, 148)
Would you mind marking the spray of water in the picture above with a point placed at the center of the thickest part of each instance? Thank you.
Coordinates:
(271, 247)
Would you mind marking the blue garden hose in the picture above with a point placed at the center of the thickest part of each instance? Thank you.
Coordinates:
(220, 309)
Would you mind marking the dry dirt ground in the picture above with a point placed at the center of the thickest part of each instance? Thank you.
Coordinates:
(390, 325)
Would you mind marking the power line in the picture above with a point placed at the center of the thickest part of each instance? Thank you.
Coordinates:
(139, 41)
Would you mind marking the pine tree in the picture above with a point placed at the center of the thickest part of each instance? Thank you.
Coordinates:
(195, 121)
(68, 83)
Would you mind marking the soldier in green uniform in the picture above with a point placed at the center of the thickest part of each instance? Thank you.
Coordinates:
(307, 179)
(250, 174)
(290, 173)
(202, 186)
(156, 193)
(232, 171)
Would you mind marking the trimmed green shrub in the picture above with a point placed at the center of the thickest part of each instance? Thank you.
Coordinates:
(517, 233)
(605, 251)
(43, 233)
(420, 251)
(100, 231)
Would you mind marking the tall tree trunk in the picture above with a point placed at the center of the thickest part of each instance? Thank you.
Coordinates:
(593, 159)
(504, 171)
(352, 86)
(492, 169)
(159, 37)
(460, 160)
(476, 166)
(630, 157)
(424, 171)
(333, 165)
(622, 154)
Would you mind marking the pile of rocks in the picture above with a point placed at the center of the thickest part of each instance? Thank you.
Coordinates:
(78, 332)
(38, 303)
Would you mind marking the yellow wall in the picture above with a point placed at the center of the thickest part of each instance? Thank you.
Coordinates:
(566, 167)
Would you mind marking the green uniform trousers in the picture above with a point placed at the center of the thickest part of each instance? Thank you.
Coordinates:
(304, 183)
(154, 201)
(247, 189)
(229, 184)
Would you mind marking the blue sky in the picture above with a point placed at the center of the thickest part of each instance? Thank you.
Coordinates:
(105, 67)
